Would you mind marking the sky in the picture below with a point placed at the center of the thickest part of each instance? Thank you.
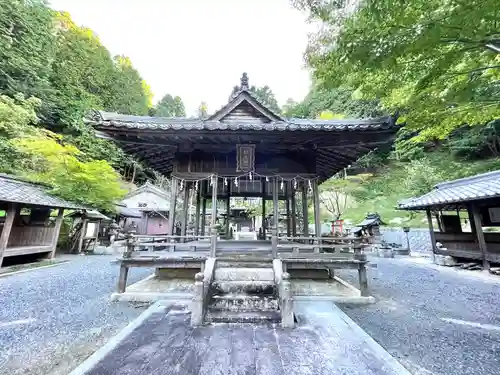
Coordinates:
(198, 49)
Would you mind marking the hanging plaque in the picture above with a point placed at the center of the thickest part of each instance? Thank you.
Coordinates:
(245, 158)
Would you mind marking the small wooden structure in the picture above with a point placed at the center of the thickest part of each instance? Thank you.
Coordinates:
(474, 199)
(30, 225)
(85, 230)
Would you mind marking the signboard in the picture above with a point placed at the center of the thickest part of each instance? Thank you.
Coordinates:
(245, 158)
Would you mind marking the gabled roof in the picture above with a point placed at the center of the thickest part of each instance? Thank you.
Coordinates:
(17, 190)
(456, 192)
(148, 188)
(102, 120)
(245, 96)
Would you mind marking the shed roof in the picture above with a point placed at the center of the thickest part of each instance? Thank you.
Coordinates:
(18, 190)
(457, 192)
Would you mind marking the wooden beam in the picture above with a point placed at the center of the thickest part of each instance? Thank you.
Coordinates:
(213, 244)
(185, 208)
(198, 207)
(275, 218)
(11, 213)
(294, 211)
(57, 230)
(317, 223)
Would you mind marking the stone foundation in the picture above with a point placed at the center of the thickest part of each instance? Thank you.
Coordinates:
(444, 260)
(176, 273)
(310, 274)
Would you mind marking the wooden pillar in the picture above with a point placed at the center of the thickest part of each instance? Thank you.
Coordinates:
(213, 245)
(11, 212)
(431, 229)
(185, 208)
(305, 215)
(204, 209)
(317, 223)
(274, 240)
(122, 279)
(197, 216)
(57, 230)
(287, 204)
(263, 209)
(480, 236)
(228, 209)
(294, 211)
(173, 203)
(82, 235)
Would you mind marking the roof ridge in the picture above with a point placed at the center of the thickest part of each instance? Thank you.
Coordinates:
(467, 180)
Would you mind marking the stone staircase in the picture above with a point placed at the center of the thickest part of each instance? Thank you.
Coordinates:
(243, 292)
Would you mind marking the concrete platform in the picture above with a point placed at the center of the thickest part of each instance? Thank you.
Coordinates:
(153, 289)
(161, 341)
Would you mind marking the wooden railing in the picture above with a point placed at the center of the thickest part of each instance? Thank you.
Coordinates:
(150, 243)
(318, 245)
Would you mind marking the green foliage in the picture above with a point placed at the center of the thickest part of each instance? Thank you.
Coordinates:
(337, 101)
(94, 183)
(42, 156)
(427, 59)
(170, 106)
(26, 47)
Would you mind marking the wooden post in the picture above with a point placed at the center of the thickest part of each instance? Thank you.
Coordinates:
(305, 215)
(203, 216)
(122, 279)
(82, 235)
(213, 245)
(263, 209)
(185, 207)
(274, 239)
(294, 212)
(197, 216)
(57, 230)
(11, 212)
(173, 203)
(363, 280)
(317, 223)
(287, 205)
(480, 236)
(431, 229)
(228, 209)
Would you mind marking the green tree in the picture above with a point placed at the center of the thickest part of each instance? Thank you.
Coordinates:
(427, 59)
(264, 94)
(170, 106)
(26, 47)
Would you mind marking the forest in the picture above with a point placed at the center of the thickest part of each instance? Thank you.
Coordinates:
(411, 59)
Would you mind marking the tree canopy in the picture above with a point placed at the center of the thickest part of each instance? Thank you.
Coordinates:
(170, 106)
(64, 70)
(415, 56)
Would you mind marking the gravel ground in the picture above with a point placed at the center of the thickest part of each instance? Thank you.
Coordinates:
(434, 320)
(51, 319)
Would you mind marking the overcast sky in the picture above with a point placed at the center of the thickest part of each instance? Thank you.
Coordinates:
(197, 49)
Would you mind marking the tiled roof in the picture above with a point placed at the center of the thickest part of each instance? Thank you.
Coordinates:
(116, 120)
(17, 190)
(468, 189)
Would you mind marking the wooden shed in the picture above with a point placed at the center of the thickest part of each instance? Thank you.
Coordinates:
(473, 199)
(32, 218)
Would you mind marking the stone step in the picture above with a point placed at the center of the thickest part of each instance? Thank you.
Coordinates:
(262, 317)
(243, 302)
(244, 264)
(220, 287)
(243, 274)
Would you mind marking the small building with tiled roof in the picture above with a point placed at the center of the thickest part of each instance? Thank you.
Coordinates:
(29, 224)
(477, 196)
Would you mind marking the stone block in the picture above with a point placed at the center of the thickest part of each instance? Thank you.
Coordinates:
(444, 260)
(312, 274)
(176, 273)
(385, 253)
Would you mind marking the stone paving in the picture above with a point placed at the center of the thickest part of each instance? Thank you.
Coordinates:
(167, 344)
(434, 320)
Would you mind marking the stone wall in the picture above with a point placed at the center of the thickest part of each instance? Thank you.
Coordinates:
(420, 239)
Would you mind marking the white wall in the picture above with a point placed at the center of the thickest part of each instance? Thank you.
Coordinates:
(147, 200)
